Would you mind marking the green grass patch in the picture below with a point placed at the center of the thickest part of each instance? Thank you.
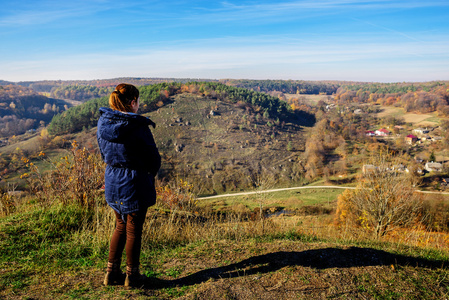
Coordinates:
(436, 120)
(289, 199)
(46, 237)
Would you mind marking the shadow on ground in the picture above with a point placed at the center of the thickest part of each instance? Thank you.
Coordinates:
(317, 259)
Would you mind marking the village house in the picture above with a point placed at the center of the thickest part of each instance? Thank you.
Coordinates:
(411, 139)
(433, 167)
(330, 106)
(370, 133)
(399, 168)
(418, 170)
(421, 131)
(426, 139)
(382, 132)
(367, 169)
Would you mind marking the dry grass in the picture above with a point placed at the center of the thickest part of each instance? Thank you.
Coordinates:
(200, 253)
(309, 99)
(430, 119)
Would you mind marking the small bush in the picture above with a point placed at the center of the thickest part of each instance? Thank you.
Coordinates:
(6, 204)
(177, 197)
(77, 176)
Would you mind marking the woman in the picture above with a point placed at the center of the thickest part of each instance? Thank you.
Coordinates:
(128, 148)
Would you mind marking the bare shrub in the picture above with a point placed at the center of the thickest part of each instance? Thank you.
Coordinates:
(77, 176)
(383, 201)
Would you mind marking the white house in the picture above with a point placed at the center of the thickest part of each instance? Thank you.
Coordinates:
(421, 131)
(433, 167)
(382, 132)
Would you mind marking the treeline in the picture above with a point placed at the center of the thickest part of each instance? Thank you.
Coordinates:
(49, 86)
(22, 109)
(80, 92)
(390, 88)
(286, 86)
(423, 98)
(154, 96)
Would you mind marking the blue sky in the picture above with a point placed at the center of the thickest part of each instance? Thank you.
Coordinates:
(385, 41)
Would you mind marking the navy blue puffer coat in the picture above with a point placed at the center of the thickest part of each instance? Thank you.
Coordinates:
(128, 148)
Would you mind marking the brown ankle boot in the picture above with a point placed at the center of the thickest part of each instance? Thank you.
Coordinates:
(133, 277)
(113, 274)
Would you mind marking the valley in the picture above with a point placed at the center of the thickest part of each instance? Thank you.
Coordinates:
(254, 195)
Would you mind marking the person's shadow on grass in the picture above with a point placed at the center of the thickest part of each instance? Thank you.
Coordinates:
(317, 259)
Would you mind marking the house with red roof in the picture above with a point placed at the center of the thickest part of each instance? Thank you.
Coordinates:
(382, 132)
(370, 133)
(411, 139)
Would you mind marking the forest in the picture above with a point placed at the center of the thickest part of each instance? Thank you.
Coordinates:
(286, 86)
(81, 90)
(422, 98)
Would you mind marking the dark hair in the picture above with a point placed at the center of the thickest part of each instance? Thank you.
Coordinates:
(122, 97)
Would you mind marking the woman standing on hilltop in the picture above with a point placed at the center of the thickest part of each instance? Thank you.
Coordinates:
(128, 148)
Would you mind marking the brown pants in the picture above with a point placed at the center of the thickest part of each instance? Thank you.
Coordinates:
(127, 235)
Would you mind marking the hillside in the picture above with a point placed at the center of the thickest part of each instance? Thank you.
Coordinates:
(22, 109)
(218, 144)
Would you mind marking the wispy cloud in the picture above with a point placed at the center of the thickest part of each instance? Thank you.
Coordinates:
(45, 12)
(227, 58)
(253, 13)
(389, 30)
(234, 11)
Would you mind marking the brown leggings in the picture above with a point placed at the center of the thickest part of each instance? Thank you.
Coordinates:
(127, 234)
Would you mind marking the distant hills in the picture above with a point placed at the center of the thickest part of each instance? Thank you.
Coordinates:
(229, 135)
(36, 101)
(22, 109)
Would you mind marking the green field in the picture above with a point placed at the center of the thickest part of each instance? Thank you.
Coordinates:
(288, 200)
